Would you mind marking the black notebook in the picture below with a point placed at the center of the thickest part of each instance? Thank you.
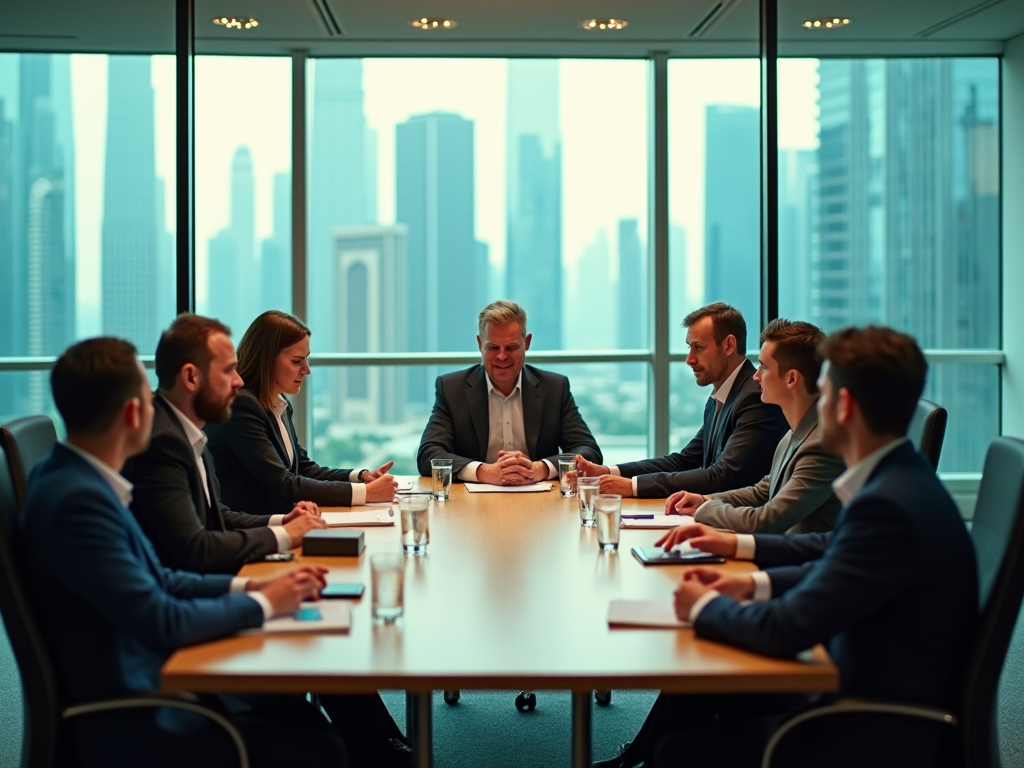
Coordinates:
(658, 556)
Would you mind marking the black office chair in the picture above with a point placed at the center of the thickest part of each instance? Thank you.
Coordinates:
(26, 441)
(997, 531)
(46, 741)
(928, 428)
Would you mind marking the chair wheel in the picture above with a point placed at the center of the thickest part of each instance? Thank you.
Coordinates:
(451, 698)
(526, 701)
(603, 698)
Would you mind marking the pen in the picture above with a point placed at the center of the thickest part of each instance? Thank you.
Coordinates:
(637, 517)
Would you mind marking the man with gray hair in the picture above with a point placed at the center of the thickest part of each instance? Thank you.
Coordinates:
(503, 422)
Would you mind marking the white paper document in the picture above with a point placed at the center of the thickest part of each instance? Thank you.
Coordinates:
(316, 616)
(660, 614)
(487, 488)
(656, 521)
(371, 517)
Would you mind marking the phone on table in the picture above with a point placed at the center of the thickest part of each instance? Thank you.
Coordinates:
(342, 590)
(280, 557)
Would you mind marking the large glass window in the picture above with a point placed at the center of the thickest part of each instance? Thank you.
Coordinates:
(86, 207)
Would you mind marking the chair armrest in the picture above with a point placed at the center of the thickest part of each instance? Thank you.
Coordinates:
(851, 706)
(183, 701)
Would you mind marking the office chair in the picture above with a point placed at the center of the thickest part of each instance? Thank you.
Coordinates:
(928, 428)
(998, 537)
(47, 741)
(26, 441)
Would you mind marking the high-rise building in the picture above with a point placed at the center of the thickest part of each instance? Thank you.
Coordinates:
(130, 250)
(632, 325)
(167, 302)
(533, 263)
(799, 256)
(732, 209)
(342, 181)
(370, 317)
(275, 261)
(591, 316)
(233, 274)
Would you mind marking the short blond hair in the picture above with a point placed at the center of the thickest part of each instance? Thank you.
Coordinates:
(501, 312)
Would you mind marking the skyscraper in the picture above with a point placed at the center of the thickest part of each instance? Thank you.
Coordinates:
(233, 289)
(534, 177)
(632, 325)
(275, 264)
(130, 251)
(732, 209)
(593, 299)
(799, 255)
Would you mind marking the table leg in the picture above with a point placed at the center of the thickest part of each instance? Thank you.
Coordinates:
(582, 729)
(419, 723)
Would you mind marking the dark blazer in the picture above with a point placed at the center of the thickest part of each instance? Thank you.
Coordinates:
(458, 426)
(253, 467)
(795, 497)
(169, 502)
(892, 590)
(733, 453)
(110, 613)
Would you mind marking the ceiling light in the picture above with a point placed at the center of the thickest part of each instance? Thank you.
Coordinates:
(597, 24)
(235, 22)
(434, 23)
(829, 22)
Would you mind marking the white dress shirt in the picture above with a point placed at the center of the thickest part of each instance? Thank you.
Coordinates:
(721, 395)
(197, 439)
(123, 490)
(506, 429)
(845, 487)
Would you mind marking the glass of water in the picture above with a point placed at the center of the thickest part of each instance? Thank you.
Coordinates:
(588, 489)
(441, 478)
(609, 517)
(387, 574)
(567, 474)
(415, 510)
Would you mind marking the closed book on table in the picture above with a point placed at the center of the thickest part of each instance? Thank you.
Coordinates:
(333, 542)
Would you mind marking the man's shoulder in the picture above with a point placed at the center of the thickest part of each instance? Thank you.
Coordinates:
(62, 482)
(461, 377)
(545, 378)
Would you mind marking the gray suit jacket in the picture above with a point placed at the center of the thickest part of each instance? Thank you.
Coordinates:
(796, 497)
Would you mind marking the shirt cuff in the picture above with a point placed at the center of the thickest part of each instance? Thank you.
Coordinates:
(762, 587)
(702, 601)
(284, 541)
(238, 584)
(358, 494)
(636, 494)
(614, 470)
(353, 476)
(468, 473)
(264, 603)
(745, 546)
(276, 520)
(552, 471)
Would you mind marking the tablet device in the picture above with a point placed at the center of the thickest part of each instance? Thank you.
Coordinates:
(342, 590)
(658, 556)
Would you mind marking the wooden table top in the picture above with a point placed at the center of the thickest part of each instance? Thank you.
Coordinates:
(512, 593)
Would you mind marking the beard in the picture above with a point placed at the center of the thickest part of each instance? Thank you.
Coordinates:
(210, 408)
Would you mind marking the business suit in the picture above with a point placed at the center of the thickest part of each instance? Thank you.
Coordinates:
(459, 423)
(253, 467)
(111, 615)
(732, 451)
(795, 497)
(892, 592)
(171, 506)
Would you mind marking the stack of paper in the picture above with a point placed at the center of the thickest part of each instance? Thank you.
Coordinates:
(316, 616)
(486, 488)
(372, 517)
(655, 521)
(659, 614)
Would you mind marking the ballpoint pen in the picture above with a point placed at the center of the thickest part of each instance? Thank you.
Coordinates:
(637, 517)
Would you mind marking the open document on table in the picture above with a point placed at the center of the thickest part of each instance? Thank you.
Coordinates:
(487, 488)
(654, 521)
(315, 616)
(360, 518)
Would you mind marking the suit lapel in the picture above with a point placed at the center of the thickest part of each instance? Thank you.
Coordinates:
(796, 438)
(533, 407)
(202, 507)
(288, 425)
(709, 422)
(213, 519)
(476, 399)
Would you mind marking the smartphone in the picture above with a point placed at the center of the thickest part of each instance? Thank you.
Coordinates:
(308, 614)
(280, 557)
(342, 590)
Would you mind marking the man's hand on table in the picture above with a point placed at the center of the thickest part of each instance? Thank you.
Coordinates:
(512, 468)
(699, 581)
(382, 488)
(587, 468)
(300, 525)
(300, 509)
(287, 591)
(683, 503)
(702, 537)
(369, 475)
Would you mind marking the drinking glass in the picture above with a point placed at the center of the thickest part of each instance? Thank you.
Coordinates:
(441, 478)
(609, 517)
(588, 489)
(567, 474)
(387, 574)
(414, 508)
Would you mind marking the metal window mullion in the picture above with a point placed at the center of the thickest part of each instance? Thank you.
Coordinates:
(658, 249)
(184, 71)
(769, 162)
(299, 307)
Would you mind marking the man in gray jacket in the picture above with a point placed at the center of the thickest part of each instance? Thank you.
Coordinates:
(796, 496)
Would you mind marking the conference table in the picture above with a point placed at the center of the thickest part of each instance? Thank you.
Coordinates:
(513, 593)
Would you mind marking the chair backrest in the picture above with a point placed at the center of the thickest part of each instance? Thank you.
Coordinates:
(928, 428)
(998, 536)
(26, 441)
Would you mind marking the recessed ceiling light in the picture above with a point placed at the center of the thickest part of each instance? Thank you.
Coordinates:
(430, 22)
(829, 22)
(235, 22)
(598, 24)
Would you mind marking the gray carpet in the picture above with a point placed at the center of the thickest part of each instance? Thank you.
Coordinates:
(485, 729)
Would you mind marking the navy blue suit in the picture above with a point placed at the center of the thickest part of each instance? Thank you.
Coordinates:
(111, 615)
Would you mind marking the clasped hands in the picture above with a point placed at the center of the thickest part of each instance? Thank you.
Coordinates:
(512, 468)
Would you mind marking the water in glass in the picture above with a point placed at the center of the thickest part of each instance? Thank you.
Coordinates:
(588, 489)
(387, 572)
(415, 511)
(441, 474)
(609, 511)
(567, 475)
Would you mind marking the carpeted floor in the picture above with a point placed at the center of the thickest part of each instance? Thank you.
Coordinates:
(485, 729)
